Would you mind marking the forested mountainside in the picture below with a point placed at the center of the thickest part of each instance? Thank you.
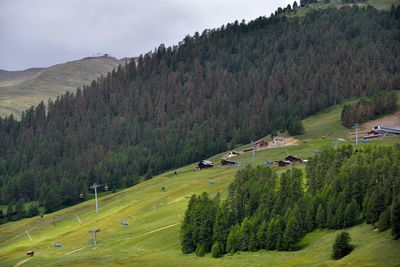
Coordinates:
(180, 104)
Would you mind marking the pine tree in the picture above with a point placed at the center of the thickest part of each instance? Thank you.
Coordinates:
(10, 211)
(295, 126)
(52, 200)
(279, 231)
(291, 235)
(321, 217)
(351, 214)
(340, 214)
(384, 220)
(271, 236)
(234, 240)
(342, 246)
(310, 220)
(245, 233)
(395, 217)
(200, 250)
(262, 235)
(187, 240)
(331, 214)
(33, 210)
(217, 249)
(253, 242)
(1, 216)
(19, 210)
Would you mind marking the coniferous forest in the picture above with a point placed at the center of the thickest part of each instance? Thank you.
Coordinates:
(180, 104)
(368, 108)
(263, 211)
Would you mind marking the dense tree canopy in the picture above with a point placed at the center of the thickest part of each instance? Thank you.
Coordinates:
(368, 108)
(264, 211)
(179, 104)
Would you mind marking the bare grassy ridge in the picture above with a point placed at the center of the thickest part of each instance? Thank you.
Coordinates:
(19, 90)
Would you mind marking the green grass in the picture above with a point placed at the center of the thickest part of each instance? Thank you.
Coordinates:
(152, 237)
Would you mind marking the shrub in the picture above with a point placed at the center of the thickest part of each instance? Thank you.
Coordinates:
(342, 246)
(217, 249)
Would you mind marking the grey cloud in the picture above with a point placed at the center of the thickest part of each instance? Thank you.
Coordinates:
(46, 32)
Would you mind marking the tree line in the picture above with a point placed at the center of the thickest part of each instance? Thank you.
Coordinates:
(369, 108)
(177, 105)
(265, 211)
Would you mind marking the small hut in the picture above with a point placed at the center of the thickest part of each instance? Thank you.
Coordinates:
(233, 154)
(260, 144)
(283, 163)
(293, 159)
(227, 162)
(205, 164)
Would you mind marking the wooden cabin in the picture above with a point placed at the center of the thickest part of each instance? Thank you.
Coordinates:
(227, 162)
(283, 163)
(205, 164)
(293, 159)
(232, 154)
(260, 144)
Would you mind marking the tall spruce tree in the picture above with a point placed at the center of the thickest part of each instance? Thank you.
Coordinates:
(395, 217)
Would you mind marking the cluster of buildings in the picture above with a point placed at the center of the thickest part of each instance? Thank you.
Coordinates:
(375, 133)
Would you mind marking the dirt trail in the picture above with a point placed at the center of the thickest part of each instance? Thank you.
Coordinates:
(158, 229)
(76, 250)
(392, 120)
(22, 262)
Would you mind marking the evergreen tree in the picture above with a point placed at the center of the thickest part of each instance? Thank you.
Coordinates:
(395, 217)
(295, 126)
(271, 236)
(234, 241)
(291, 234)
(217, 249)
(342, 246)
(19, 210)
(321, 216)
(52, 200)
(351, 214)
(188, 244)
(253, 243)
(245, 233)
(384, 220)
(262, 235)
(310, 220)
(200, 250)
(279, 231)
(1, 216)
(10, 211)
(33, 210)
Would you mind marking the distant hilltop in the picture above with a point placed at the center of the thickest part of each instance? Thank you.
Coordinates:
(98, 55)
(19, 90)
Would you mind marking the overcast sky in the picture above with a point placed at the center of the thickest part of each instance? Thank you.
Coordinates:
(42, 33)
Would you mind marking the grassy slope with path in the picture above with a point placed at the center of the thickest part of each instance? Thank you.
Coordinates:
(152, 237)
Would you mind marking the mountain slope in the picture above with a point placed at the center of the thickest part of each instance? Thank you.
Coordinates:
(21, 89)
(154, 217)
(180, 104)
